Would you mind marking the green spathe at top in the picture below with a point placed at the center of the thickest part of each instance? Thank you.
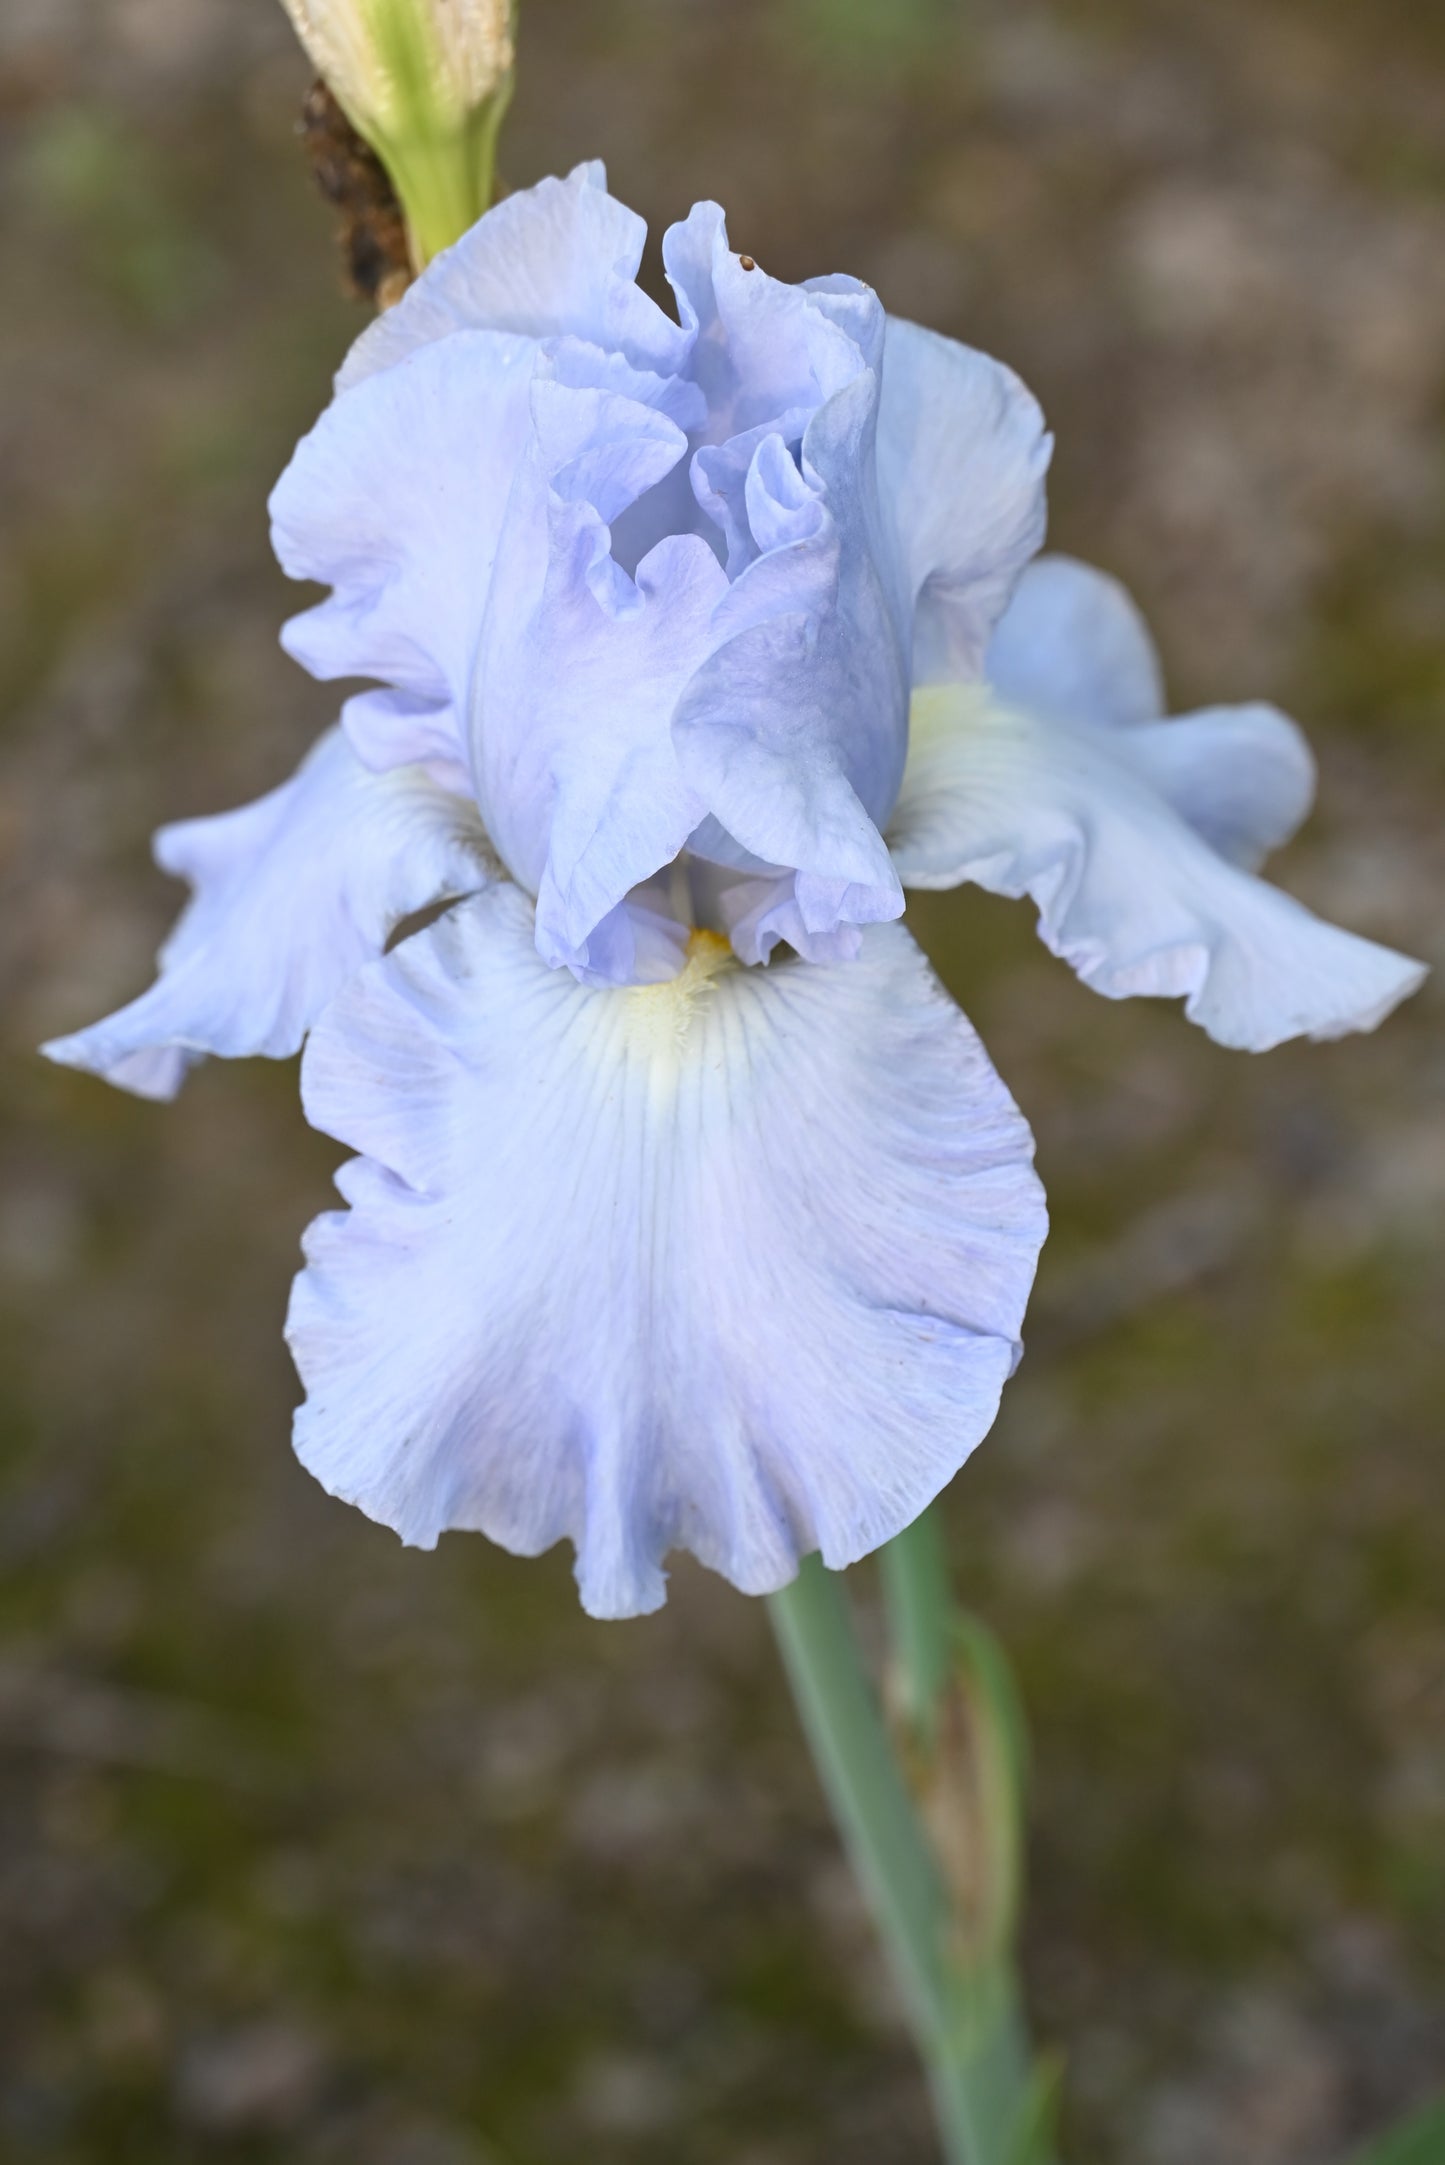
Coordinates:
(426, 84)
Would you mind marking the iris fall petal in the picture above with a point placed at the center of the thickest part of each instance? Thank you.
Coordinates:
(735, 1264)
(292, 893)
(1129, 890)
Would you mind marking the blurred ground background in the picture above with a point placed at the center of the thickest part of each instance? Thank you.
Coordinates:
(315, 1849)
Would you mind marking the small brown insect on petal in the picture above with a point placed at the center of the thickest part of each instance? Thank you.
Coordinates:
(747, 263)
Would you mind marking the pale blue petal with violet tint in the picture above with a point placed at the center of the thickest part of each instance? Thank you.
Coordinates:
(1073, 647)
(735, 1264)
(396, 500)
(499, 497)
(794, 730)
(396, 497)
(765, 355)
(1128, 890)
(292, 893)
(1242, 777)
(761, 914)
(580, 666)
(389, 729)
(559, 259)
(795, 707)
(962, 458)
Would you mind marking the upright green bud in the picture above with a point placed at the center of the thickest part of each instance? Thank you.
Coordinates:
(426, 82)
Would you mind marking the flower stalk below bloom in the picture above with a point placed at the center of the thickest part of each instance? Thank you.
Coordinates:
(951, 1943)
(444, 176)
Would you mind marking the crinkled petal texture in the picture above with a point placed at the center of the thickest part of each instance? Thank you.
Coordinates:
(397, 498)
(292, 893)
(665, 573)
(1134, 836)
(735, 1264)
(793, 729)
(396, 501)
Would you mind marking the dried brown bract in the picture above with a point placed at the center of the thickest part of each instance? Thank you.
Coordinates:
(349, 174)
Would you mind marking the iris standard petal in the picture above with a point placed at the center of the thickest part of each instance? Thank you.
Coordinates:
(560, 259)
(761, 914)
(292, 893)
(735, 1264)
(497, 498)
(1128, 891)
(962, 455)
(766, 355)
(793, 732)
(396, 500)
(580, 667)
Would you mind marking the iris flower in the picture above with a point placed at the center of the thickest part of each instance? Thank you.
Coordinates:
(695, 641)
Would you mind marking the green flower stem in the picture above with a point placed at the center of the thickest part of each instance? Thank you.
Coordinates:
(964, 2016)
(861, 1778)
(444, 176)
(920, 1617)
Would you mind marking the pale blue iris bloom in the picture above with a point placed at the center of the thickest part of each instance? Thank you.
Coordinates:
(646, 1247)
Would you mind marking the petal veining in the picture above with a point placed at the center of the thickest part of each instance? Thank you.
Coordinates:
(1128, 890)
(292, 893)
(735, 1263)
